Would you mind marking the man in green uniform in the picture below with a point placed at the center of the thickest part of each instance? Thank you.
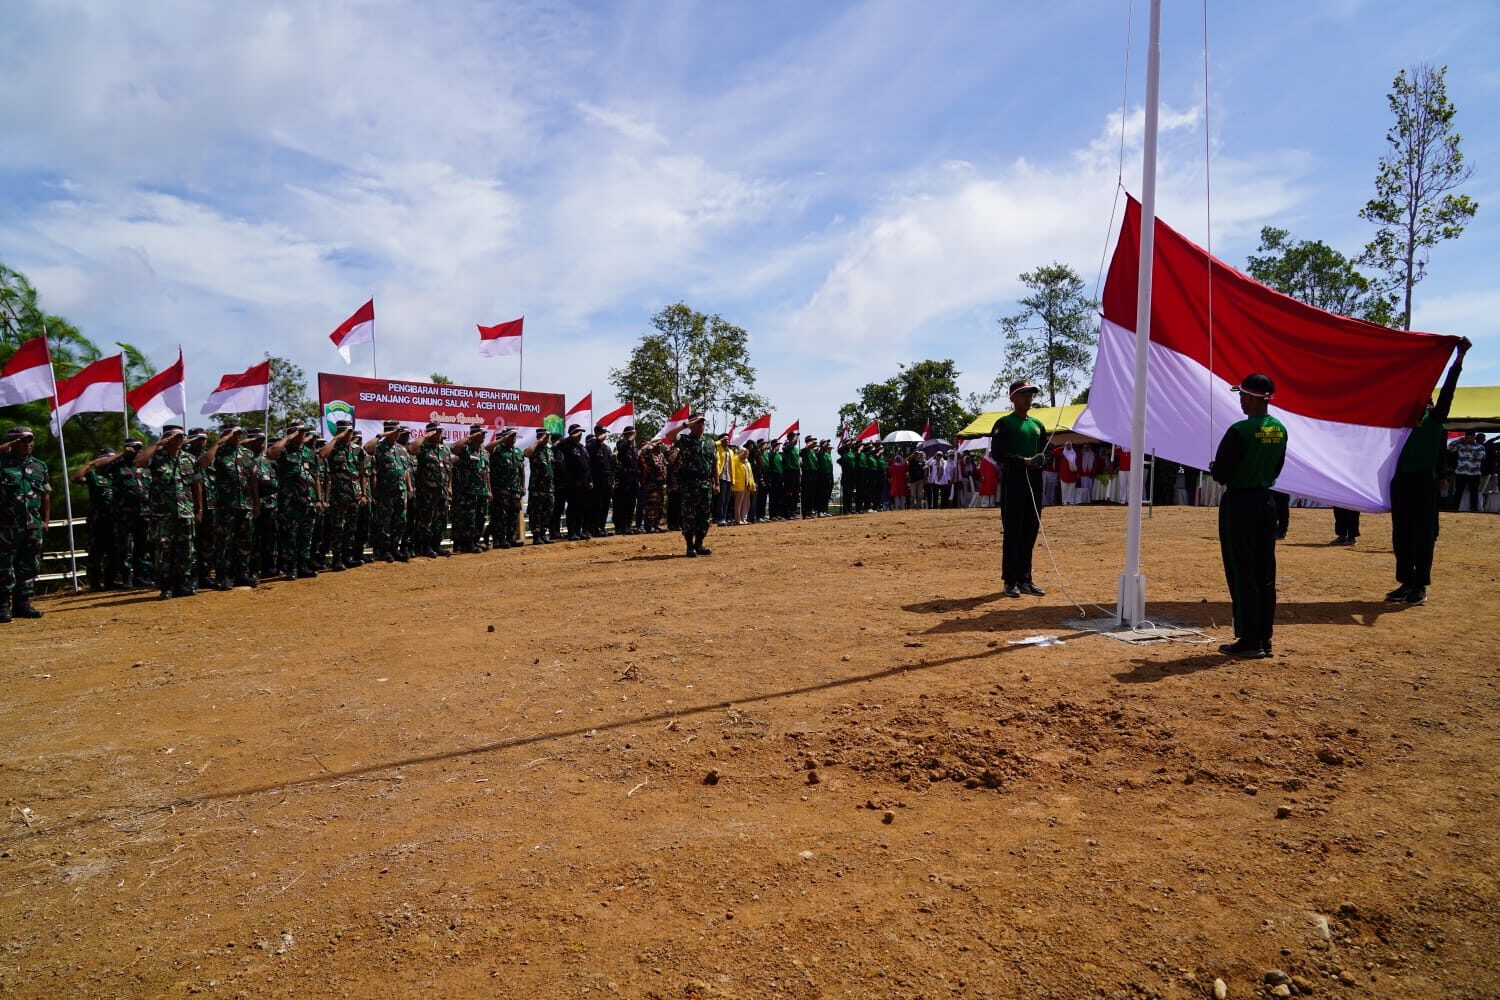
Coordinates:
(101, 518)
(791, 478)
(367, 488)
(204, 531)
(697, 480)
(507, 478)
(539, 499)
(266, 489)
(471, 492)
(392, 487)
(434, 492)
(297, 492)
(1248, 460)
(237, 484)
(176, 509)
(346, 494)
(1414, 492)
(1016, 443)
(132, 507)
(25, 506)
(319, 548)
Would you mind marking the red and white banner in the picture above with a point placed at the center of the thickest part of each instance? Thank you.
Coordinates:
(369, 402)
(581, 413)
(616, 420)
(675, 423)
(161, 398)
(791, 431)
(758, 429)
(99, 388)
(501, 340)
(870, 433)
(249, 390)
(357, 329)
(927, 431)
(1348, 391)
(27, 374)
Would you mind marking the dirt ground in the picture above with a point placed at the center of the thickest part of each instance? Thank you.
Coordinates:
(812, 765)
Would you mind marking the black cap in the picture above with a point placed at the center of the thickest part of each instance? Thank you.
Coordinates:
(104, 451)
(433, 425)
(339, 425)
(1023, 385)
(390, 425)
(599, 429)
(629, 429)
(575, 429)
(1257, 385)
(170, 429)
(135, 443)
(19, 432)
(476, 429)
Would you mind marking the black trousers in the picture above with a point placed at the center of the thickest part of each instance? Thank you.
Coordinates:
(1020, 519)
(603, 494)
(1414, 527)
(1247, 542)
(1283, 512)
(580, 511)
(1345, 523)
(1466, 484)
(626, 494)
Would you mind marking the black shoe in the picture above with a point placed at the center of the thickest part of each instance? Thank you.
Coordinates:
(166, 594)
(222, 584)
(386, 557)
(402, 557)
(1417, 595)
(427, 553)
(337, 566)
(692, 550)
(1012, 590)
(1399, 595)
(4, 616)
(1033, 589)
(22, 608)
(308, 572)
(442, 553)
(503, 544)
(1266, 650)
(184, 590)
(703, 551)
(246, 581)
(1244, 650)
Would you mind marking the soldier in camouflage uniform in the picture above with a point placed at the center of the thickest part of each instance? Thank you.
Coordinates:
(346, 495)
(320, 539)
(101, 518)
(176, 509)
(25, 507)
(132, 506)
(654, 483)
(362, 521)
(471, 491)
(267, 487)
(559, 489)
(297, 493)
(237, 485)
(407, 456)
(539, 500)
(696, 474)
(204, 530)
(433, 496)
(507, 477)
(392, 486)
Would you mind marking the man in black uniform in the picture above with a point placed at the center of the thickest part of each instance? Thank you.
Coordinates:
(627, 468)
(1247, 463)
(580, 485)
(602, 478)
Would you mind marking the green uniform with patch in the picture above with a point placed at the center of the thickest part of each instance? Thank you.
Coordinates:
(695, 477)
(20, 531)
(539, 499)
(507, 478)
(234, 525)
(174, 515)
(471, 494)
(1248, 461)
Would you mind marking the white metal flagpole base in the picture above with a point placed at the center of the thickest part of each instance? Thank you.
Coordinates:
(1131, 598)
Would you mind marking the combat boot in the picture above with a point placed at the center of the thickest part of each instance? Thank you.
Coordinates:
(4, 614)
(21, 608)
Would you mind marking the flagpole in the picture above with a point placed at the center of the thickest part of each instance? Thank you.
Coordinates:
(374, 368)
(521, 367)
(1131, 609)
(63, 452)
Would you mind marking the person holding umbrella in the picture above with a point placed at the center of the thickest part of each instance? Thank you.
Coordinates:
(1016, 444)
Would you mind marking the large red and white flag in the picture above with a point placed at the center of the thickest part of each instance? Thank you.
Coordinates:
(616, 420)
(27, 374)
(501, 340)
(870, 433)
(675, 423)
(758, 429)
(357, 329)
(791, 431)
(249, 390)
(581, 413)
(99, 388)
(1348, 391)
(161, 397)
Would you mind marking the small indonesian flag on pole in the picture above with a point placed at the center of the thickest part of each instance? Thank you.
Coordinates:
(793, 430)
(501, 340)
(675, 423)
(581, 414)
(99, 388)
(357, 329)
(161, 397)
(758, 429)
(27, 375)
(615, 421)
(249, 390)
(870, 433)
(927, 431)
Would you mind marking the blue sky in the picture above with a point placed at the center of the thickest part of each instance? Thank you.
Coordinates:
(857, 184)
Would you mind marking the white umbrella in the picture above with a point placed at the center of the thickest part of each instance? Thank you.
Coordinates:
(975, 444)
(902, 437)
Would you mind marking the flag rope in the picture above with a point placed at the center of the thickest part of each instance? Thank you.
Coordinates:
(1208, 228)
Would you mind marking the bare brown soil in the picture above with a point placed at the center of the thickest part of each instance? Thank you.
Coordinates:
(812, 765)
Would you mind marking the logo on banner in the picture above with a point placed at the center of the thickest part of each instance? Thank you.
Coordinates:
(334, 412)
(553, 423)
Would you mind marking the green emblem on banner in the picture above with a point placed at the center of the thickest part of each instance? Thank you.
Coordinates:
(554, 425)
(334, 412)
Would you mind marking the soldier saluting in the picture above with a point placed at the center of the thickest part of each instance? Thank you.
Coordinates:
(25, 506)
(695, 477)
(177, 506)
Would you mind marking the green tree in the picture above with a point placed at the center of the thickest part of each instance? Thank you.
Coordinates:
(290, 400)
(692, 359)
(439, 379)
(1051, 339)
(1414, 206)
(919, 393)
(1315, 273)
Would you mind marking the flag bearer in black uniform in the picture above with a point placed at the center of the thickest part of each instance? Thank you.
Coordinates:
(1249, 459)
(1016, 443)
